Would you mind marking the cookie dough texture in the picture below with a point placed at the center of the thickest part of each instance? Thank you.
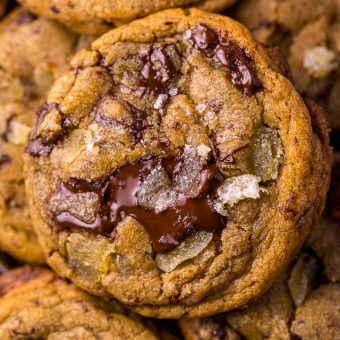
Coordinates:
(35, 303)
(261, 235)
(308, 32)
(32, 51)
(97, 17)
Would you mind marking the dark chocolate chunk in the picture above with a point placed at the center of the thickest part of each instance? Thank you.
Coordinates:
(139, 124)
(55, 9)
(41, 114)
(158, 69)
(37, 146)
(119, 198)
(4, 159)
(25, 18)
(227, 54)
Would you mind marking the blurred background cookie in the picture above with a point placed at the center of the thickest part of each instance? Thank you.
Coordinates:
(308, 33)
(303, 303)
(32, 51)
(98, 16)
(35, 303)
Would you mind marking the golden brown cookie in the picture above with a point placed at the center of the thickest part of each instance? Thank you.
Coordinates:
(308, 32)
(35, 303)
(174, 168)
(32, 51)
(97, 17)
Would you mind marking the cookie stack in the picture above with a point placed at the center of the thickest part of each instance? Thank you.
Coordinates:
(170, 167)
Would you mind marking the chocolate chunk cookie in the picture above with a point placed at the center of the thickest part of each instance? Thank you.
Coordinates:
(308, 32)
(97, 17)
(174, 168)
(32, 50)
(36, 304)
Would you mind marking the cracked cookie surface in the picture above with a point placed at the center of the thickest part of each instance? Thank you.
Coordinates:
(173, 167)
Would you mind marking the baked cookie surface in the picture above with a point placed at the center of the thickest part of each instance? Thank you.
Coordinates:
(173, 167)
(308, 32)
(35, 303)
(32, 49)
(97, 17)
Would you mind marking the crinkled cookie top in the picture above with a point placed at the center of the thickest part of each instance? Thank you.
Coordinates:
(163, 155)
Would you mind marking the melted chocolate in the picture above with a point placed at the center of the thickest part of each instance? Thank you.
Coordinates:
(158, 70)
(138, 126)
(4, 159)
(227, 54)
(118, 199)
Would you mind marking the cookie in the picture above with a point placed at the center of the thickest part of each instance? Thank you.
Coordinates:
(298, 305)
(308, 32)
(174, 168)
(318, 317)
(97, 17)
(325, 240)
(35, 303)
(32, 50)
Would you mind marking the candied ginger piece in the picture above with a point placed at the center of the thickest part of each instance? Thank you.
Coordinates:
(267, 153)
(156, 193)
(83, 206)
(88, 255)
(189, 248)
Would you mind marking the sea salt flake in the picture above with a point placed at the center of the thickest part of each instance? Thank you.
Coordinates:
(187, 34)
(173, 91)
(161, 101)
(211, 115)
(188, 249)
(201, 107)
(203, 151)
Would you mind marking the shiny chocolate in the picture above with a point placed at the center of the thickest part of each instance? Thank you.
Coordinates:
(118, 199)
(227, 54)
